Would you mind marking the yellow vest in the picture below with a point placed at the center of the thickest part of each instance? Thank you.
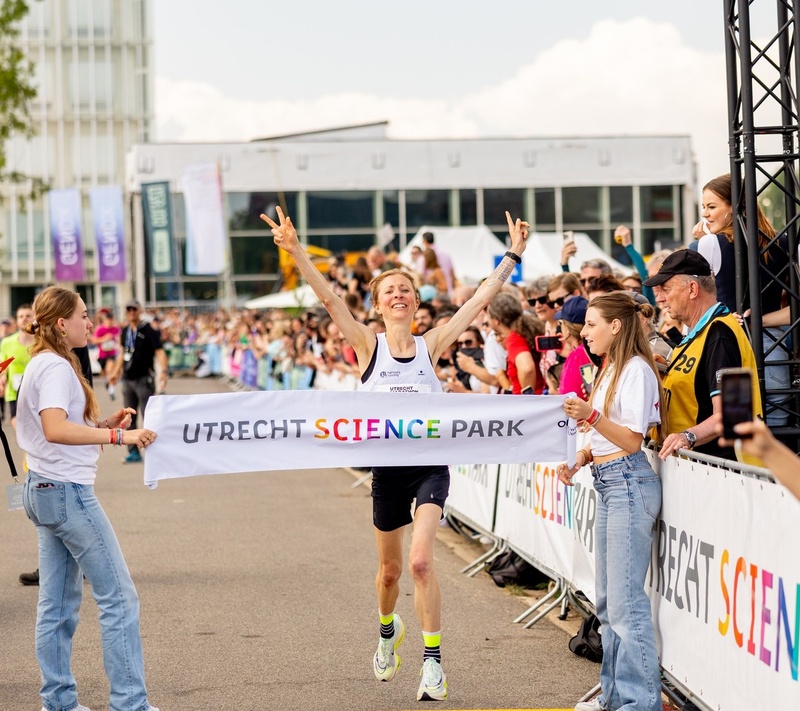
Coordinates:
(679, 380)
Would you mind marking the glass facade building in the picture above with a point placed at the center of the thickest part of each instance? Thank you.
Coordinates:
(94, 81)
(341, 191)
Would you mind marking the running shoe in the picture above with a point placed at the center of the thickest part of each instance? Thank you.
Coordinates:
(132, 458)
(77, 708)
(386, 662)
(433, 686)
(593, 705)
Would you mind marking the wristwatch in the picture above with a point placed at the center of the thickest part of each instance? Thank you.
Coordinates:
(691, 438)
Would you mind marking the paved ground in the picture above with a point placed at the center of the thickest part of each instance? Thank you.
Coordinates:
(257, 594)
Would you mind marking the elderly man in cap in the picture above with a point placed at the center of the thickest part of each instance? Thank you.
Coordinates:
(684, 285)
(141, 346)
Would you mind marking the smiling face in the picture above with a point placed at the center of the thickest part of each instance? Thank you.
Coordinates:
(77, 326)
(598, 332)
(716, 211)
(397, 298)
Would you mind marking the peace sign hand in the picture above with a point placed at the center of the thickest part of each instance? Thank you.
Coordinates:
(284, 233)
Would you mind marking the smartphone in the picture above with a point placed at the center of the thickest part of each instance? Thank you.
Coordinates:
(569, 236)
(736, 385)
(587, 376)
(548, 343)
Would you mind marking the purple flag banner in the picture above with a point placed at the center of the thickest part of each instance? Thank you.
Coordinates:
(65, 230)
(109, 233)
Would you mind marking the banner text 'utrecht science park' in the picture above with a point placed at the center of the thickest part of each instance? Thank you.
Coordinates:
(259, 431)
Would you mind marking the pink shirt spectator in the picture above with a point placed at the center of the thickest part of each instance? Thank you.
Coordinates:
(109, 346)
(571, 379)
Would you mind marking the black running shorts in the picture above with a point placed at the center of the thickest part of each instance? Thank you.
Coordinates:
(394, 488)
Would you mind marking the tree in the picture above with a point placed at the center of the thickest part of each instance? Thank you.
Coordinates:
(17, 90)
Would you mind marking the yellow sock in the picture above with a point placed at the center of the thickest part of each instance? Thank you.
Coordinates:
(386, 619)
(432, 639)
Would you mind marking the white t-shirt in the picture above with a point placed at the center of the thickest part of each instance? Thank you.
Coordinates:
(635, 404)
(51, 382)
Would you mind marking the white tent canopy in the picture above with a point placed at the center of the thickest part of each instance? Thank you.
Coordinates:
(301, 297)
(473, 251)
(543, 255)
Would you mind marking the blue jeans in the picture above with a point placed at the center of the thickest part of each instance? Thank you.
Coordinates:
(628, 502)
(76, 539)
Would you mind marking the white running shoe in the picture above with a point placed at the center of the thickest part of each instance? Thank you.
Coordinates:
(386, 662)
(593, 705)
(77, 708)
(433, 686)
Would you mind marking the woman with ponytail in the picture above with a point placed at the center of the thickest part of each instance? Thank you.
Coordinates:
(59, 428)
(625, 403)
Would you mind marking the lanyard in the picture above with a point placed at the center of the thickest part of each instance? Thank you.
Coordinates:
(130, 339)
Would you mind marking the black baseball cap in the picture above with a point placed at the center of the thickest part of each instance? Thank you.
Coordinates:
(684, 261)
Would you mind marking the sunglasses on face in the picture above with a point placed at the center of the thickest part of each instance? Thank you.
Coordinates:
(557, 302)
(131, 308)
(541, 300)
(466, 343)
(586, 281)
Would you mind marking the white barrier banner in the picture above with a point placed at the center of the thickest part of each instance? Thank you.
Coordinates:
(473, 492)
(548, 522)
(725, 586)
(257, 431)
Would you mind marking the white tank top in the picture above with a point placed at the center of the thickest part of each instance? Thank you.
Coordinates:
(391, 375)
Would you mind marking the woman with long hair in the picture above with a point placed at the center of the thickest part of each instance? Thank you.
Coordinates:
(718, 250)
(625, 404)
(399, 359)
(59, 428)
(518, 332)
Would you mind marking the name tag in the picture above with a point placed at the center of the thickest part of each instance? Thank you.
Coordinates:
(14, 496)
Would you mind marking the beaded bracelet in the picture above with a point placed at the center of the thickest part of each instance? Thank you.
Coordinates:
(119, 436)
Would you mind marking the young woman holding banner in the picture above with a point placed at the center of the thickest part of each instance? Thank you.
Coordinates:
(386, 360)
(624, 405)
(59, 429)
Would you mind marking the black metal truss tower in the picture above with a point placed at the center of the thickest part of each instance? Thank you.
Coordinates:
(762, 51)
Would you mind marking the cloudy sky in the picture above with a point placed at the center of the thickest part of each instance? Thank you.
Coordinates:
(240, 69)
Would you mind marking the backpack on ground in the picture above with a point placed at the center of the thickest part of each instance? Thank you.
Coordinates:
(587, 642)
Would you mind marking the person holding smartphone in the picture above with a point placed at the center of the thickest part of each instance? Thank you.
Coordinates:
(398, 359)
(518, 332)
(756, 440)
(625, 404)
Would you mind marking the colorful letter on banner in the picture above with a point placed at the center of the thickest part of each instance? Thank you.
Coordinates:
(299, 429)
(205, 220)
(109, 232)
(65, 229)
(157, 212)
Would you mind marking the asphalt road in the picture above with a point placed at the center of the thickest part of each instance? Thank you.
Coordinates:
(257, 594)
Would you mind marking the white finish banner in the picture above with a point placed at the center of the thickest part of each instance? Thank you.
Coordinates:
(258, 431)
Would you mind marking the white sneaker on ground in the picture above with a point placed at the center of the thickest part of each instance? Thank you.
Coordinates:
(593, 705)
(386, 662)
(77, 708)
(433, 685)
